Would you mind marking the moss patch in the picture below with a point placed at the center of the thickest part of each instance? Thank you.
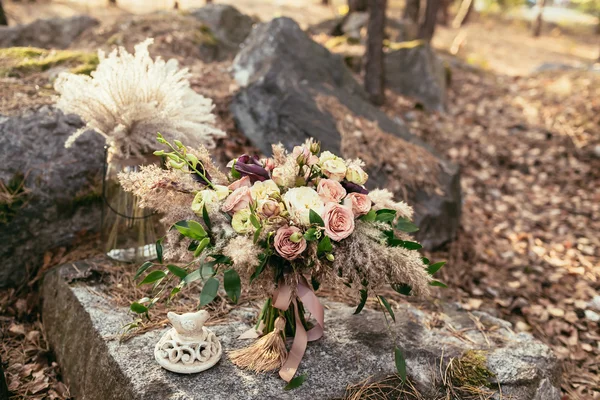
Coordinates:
(204, 36)
(13, 196)
(470, 370)
(19, 61)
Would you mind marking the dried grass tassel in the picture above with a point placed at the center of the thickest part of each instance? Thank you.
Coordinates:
(266, 354)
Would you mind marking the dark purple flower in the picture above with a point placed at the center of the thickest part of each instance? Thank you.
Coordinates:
(198, 178)
(251, 167)
(353, 187)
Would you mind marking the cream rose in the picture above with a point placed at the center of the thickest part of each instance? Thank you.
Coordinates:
(240, 222)
(285, 246)
(332, 166)
(244, 181)
(339, 221)
(356, 174)
(264, 190)
(238, 200)
(331, 190)
(360, 203)
(222, 192)
(205, 198)
(299, 201)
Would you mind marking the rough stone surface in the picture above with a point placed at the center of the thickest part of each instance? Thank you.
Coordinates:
(282, 71)
(82, 325)
(417, 72)
(227, 26)
(46, 33)
(62, 188)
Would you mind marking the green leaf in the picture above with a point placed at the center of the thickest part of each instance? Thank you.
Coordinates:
(363, 301)
(425, 260)
(257, 235)
(159, 250)
(315, 219)
(400, 363)
(402, 288)
(192, 277)
(385, 215)
(405, 225)
(438, 284)
(255, 222)
(315, 283)
(206, 218)
(153, 277)
(142, 269)
(324, 245)
(411, 245)
(209, 291)
(138, 308)
(190, 229)
(175, 290)
(433, 268)
(370, 216)
(387, 306)
(296, 382)
(233, 285)
(311, 234)
(201, 246)
(177, 271)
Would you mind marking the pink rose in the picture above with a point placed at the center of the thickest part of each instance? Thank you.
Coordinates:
(238, 200)
(244, 181)
(268, 164)
(339, 221)
(331, 190)
(285, 246)
(360, 203)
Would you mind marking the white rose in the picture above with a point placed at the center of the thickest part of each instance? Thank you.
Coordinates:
(356, 174)
(264, 190)
(326, 156)
(334, 169)
(222, 192)
(299, 201)
(208, 198)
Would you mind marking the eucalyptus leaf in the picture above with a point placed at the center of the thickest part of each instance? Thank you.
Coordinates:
(400, 363)
(385, 215)
(233, 285)
(438, 284)
(363, 301)
(296, 382)
(138, 308)
(254, 220)
(411, 245)
(201, 246)
(159, 250)
(433, 268)
(370, 216)
(153, 277)
(387, 306)
(324, 245)
(142, 269)
(405, 225)
(209, 291)
(177, 271)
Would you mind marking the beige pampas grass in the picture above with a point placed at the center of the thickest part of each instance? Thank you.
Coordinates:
(266, 354)
(131, 97)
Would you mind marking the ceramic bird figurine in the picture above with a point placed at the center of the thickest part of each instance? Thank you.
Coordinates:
(189, 346)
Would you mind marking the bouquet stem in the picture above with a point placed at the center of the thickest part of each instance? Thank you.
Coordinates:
(269, 314)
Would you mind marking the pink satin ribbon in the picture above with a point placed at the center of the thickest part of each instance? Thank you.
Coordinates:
(282, 301)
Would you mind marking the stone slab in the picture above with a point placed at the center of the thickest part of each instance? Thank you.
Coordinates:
(82, 325)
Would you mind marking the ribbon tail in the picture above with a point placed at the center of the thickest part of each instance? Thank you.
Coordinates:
(313, 305)
(289, 368)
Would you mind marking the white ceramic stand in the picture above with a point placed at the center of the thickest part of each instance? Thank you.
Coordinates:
(189, 346)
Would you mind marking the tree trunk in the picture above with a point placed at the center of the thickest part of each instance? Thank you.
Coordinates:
(325, 2)
(463, 14)
(374, 66)
(357, 5)
(3, 20)
(427, 28)
(537, 23)
(411, 10)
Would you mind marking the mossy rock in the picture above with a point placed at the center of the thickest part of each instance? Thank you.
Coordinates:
(21, 61)
(471, 370)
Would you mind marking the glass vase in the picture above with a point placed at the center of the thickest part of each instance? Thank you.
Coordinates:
(129, 232)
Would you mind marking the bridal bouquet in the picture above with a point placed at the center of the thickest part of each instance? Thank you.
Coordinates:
(286, 224)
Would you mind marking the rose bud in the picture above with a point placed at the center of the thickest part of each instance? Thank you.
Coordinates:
(269, 208)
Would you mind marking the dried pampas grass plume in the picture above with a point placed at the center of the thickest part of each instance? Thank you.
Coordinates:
(130, 97)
